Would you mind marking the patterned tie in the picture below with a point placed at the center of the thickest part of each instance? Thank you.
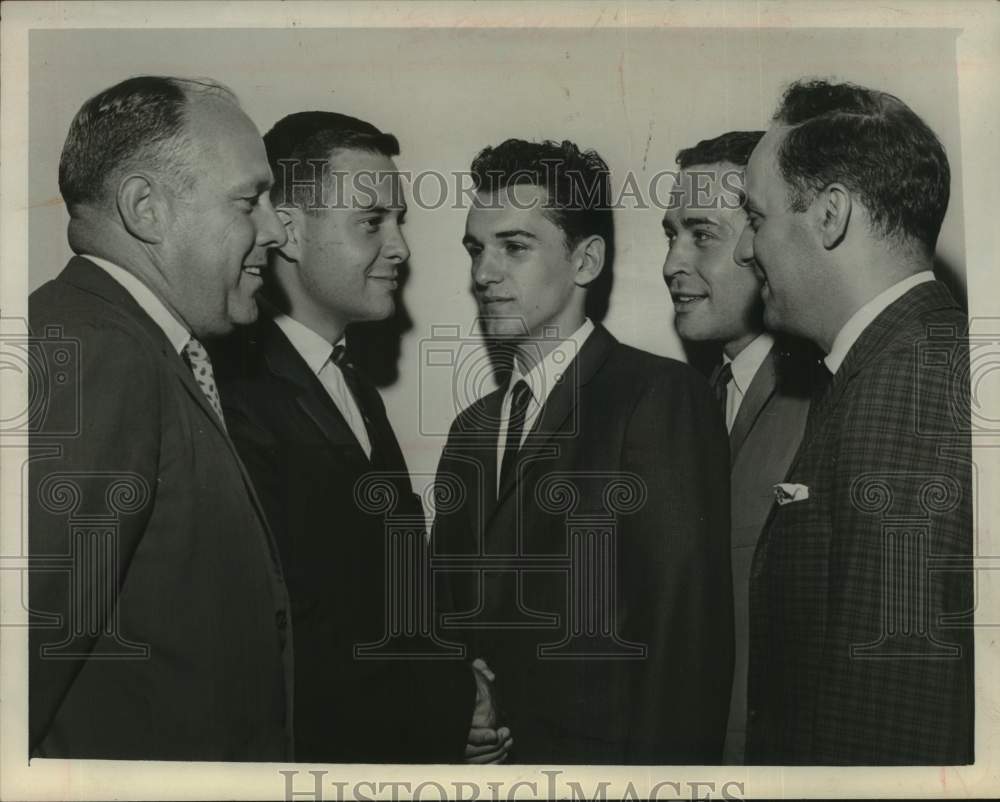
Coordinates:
(519, 400)
(356, 385)
(720, 382)
(197, 358)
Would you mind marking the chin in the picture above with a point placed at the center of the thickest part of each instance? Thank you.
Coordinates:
(503, 328)
(244, 315)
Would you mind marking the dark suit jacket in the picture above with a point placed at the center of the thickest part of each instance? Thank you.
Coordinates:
(838, 673)
(305, 462)
(764, 438)
(134, 479)
(630, 441)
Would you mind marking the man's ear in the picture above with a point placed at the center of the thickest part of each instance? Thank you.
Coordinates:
(292, 220)
(833, 210)
(588, 257)
(143, 207)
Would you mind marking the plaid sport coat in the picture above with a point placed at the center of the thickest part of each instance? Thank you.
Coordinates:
(861, 595)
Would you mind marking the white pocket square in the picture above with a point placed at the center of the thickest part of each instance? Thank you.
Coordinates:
(785, 493)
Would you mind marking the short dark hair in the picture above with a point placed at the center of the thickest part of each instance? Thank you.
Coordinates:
(733, 147)
(138, 122)
(875, 145)
(578, 183)
(310, 137)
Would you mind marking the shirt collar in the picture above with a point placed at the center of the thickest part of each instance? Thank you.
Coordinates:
(175, 331)
(312, 347)
(544, 376)
(860, 320)
(748, 361)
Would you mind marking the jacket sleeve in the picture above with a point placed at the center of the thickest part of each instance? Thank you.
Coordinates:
(676, 578)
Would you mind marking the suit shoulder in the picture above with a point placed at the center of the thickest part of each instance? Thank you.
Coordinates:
(644, 370)
(104, 338)
(471, 418)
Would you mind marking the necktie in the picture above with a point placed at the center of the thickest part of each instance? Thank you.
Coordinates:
(197, 359)
(720, 382)
(519, 400)
(356, 386)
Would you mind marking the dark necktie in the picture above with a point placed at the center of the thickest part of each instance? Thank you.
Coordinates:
(357, 387)
(519, 400)
(720, 382)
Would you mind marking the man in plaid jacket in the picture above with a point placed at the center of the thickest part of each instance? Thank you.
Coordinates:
(861, 589)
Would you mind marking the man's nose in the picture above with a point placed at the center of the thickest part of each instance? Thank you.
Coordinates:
(270, 231)
(743, 255)
(674, 264)
(485, 270)
(395, 248)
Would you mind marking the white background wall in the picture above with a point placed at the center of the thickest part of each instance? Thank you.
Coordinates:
(636, 95)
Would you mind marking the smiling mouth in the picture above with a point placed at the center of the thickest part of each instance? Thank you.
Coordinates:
(684, 299)
(253, 270)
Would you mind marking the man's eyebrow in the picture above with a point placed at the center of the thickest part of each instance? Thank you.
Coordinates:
(690, 222)
(514, 232)
(255, 186)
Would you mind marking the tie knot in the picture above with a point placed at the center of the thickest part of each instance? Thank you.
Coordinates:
(339, 356)
(721, 376)
(520, 396)
(197, 357)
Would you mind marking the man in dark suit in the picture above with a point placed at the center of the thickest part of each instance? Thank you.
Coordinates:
(861, 592)
(762, 385)
(586, 554)
(160, 622)
(314, 434)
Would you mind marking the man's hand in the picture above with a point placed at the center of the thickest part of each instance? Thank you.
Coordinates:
(485, 743)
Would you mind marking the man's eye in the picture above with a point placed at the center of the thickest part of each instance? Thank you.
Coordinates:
(671, 236)
(702, 236)
(515, 247)
(371, 224)
(473, 250)
(250, 202)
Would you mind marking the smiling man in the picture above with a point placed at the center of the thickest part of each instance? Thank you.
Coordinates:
(861, 648)
(762, 385)
(588, 437)
(162, 628)
(310, 427)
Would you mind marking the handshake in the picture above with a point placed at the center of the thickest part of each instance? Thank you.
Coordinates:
(486, 742)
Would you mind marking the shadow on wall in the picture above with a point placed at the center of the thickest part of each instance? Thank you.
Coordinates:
(375, 346)
(954, 278)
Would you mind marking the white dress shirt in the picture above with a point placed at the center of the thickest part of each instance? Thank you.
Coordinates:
(176, 332)
(745, 367)
(860, 320)
(541, 379)
(316, 351)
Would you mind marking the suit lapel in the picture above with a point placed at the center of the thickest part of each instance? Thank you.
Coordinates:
(924, 297)
(759, 392)
(558, 407)
(85, 275)
(311, 396)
